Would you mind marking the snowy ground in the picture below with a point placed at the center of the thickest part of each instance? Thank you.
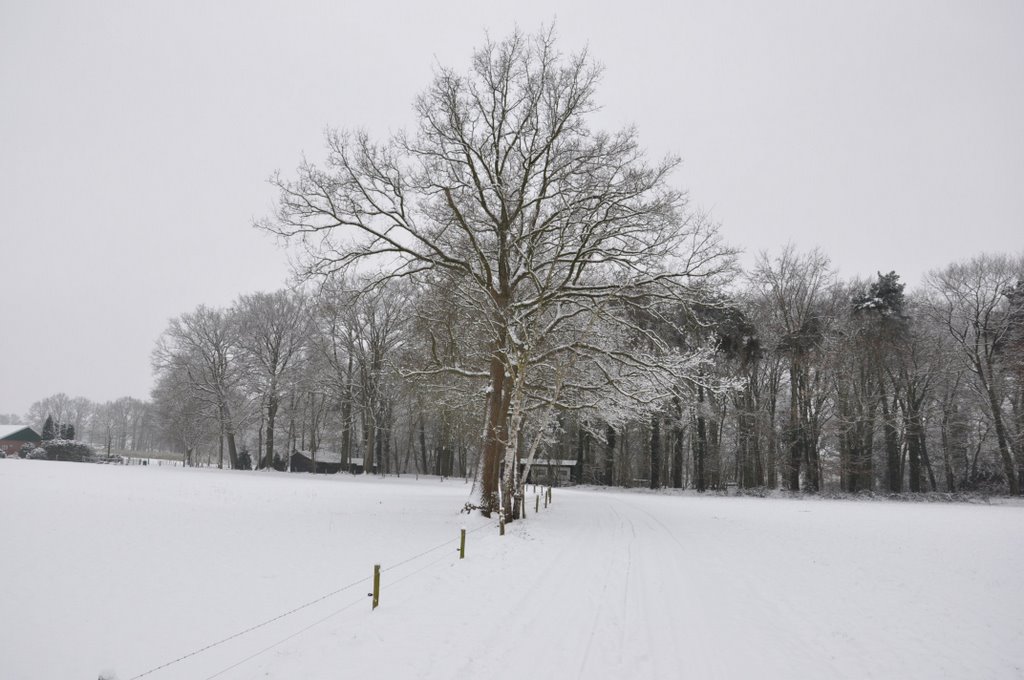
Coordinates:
(121, 569)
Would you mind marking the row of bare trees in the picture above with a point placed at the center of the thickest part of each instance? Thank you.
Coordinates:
(794, 379)
(123, 425)
(288, 371)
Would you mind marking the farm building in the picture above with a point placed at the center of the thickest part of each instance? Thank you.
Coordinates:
(553, 472)
(327, 462)
(13, 437)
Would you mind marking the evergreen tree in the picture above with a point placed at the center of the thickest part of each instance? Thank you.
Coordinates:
(49, 430)
(884, 296)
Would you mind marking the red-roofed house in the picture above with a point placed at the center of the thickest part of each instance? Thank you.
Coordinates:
(13, 437)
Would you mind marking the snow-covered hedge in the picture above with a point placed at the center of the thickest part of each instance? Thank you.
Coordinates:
(68, 449)
(36, 454)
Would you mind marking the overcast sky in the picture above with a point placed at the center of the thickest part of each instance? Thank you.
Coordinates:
(136, 139)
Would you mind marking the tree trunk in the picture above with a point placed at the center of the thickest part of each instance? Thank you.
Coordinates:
(609, 456)
(771, 465)
(808, 433)
(370, 445)
(423, 445)
(947, 451)
(272, 406)
(700, 450)
(714, 454)
(795, 435)
(893, 478)
(1002, 438)
(914, 454)
(655, 451)
(232, 450)
(581, 450)
(746, 437)
(678, 435)
(493, 437)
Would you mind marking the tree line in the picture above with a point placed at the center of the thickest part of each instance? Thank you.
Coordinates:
(806, 382)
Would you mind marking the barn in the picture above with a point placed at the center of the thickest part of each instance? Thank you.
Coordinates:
(327, 462)
(13, 437)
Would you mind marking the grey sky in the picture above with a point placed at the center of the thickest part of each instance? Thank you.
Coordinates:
(136, 137)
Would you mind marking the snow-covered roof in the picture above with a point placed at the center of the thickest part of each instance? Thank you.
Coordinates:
(8, 430)
(544, 462)
(330, 457)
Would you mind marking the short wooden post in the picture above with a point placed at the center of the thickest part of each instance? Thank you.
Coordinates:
(536, 498)
(545, 500)
(376, 586)
(501, 525)
(462, 544)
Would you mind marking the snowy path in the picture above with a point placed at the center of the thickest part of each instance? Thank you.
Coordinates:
(126, 568)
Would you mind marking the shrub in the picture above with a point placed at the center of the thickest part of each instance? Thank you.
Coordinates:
(36, 454)
(68, 449)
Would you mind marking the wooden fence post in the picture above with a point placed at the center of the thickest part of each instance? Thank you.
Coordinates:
(376, 586)
(536, 504)
(462, 544)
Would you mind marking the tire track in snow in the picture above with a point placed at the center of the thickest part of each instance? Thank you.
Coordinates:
(678, 621)
(720, 629)
(607, 583)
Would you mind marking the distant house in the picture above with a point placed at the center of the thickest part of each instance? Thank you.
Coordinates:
(13, 437)
(327, 462)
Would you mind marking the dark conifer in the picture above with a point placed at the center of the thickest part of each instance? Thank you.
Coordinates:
(49, 430)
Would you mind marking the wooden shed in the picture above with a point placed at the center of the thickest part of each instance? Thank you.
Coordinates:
(550, 471)
(327, 462)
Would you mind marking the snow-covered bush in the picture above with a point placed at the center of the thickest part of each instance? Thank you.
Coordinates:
(26, 449)
(68, 449)
(36, 454)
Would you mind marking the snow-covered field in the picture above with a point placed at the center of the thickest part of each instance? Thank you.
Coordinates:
(117, 570)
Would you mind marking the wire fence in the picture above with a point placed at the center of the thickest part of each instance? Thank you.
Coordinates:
(310, 603)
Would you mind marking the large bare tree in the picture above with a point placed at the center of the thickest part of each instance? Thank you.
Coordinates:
(272, 333)
(798, 292)
(504, 189)
(974, 302)
(203, 346)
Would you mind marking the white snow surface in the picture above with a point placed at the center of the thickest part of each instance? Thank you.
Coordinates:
(117, 570)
